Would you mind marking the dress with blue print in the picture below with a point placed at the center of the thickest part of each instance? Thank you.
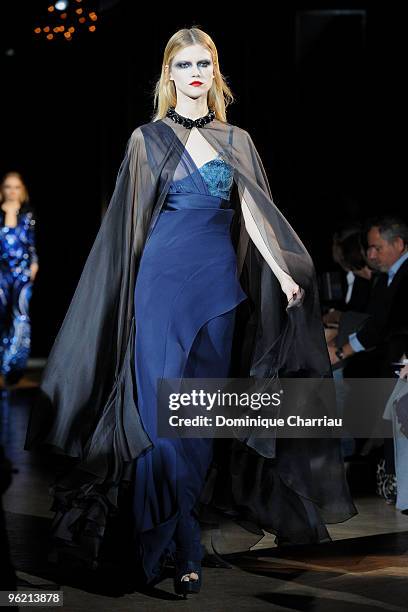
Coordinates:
(17, 253)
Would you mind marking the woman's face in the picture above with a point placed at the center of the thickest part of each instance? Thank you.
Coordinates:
(192, 64)
(13, 189)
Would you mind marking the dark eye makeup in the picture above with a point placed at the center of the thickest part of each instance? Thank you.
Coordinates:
(184, 64)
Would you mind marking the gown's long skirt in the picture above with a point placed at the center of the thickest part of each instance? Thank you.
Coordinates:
(186, 294)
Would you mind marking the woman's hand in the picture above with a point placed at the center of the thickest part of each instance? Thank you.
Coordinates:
(290, 288)
(332, 348)
(33, 271)
(404, 372)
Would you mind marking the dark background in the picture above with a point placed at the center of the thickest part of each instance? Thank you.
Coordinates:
(314, 86)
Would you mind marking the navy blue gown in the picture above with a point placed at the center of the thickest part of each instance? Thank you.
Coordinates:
(186, 294)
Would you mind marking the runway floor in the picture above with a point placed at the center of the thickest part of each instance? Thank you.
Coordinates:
(365, 568)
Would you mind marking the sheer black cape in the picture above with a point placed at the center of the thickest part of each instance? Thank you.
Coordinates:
(87, 406)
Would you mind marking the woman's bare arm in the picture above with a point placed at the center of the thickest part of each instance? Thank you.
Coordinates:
(289, 287)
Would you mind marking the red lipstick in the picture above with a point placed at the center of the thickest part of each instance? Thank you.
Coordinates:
(196, 83)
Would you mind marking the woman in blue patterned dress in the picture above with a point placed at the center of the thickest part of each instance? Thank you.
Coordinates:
(18, 268)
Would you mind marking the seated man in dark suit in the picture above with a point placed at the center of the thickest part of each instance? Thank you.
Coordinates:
(387, 251)
(382, 336)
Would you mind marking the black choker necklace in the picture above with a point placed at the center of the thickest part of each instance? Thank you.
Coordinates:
(190, 123)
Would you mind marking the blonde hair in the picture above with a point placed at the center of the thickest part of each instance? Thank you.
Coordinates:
(24, 195)
(165, 95)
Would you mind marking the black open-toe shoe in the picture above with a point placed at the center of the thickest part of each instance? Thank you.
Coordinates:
(182, 569)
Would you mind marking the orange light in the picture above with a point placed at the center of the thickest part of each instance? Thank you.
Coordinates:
(62, 28)
(71, 29)
(82, 20)
(67, 35)
(51, 9)
(92, 28)
(63, 15)
(55, 29)
(37, 30)
(46, 29)
(79, 0)
(79, 11)
(50, 36)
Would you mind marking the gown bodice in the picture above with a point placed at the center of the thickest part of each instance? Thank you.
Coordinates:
(214, 178)
(17, 244)
(14, 252)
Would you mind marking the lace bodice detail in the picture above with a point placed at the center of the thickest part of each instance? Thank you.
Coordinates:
(217, 174)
